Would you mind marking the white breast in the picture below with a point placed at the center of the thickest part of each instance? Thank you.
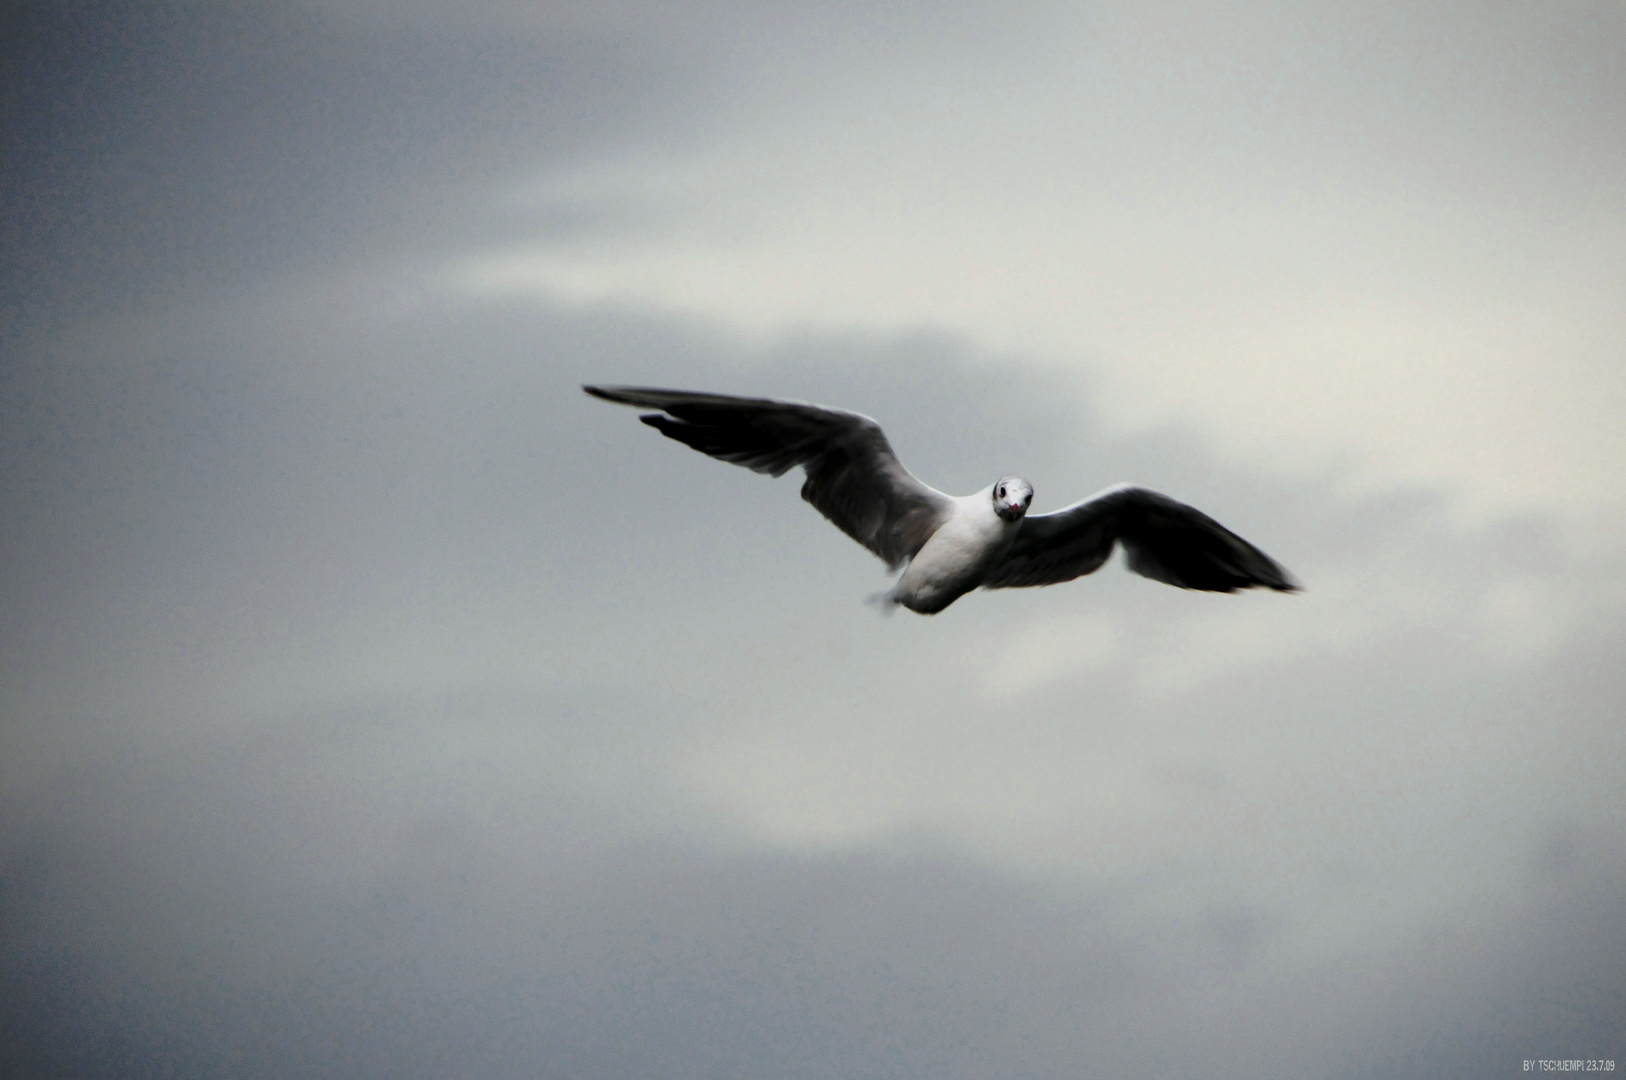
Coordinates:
(954, 560)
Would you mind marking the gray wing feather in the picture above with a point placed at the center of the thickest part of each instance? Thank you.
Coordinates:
(853, 477)
(1165, 540)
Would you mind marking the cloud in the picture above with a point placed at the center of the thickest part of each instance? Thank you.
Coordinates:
(382, 698)
(1306, 230)
(376, 701)
(1379, 236)
(225, 909)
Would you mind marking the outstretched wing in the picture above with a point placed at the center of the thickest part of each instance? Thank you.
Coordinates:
(1165, 540)
(853, 477)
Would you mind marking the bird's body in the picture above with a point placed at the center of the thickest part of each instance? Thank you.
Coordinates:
(949, 546)
(956, 558)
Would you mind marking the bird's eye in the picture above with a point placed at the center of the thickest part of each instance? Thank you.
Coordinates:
(1000, 493)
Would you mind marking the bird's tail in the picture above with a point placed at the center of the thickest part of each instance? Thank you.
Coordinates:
(882, 601)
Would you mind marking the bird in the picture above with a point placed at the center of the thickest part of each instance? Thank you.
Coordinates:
(945, 545)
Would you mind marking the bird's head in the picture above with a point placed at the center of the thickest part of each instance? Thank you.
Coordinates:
(1012, 497)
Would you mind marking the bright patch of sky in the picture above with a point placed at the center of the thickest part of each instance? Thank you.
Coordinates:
(1355, 237)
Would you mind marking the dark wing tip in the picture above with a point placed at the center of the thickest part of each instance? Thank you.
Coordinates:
(1278, 580)
(1275, 578)
(1229, 584)
(609, 393)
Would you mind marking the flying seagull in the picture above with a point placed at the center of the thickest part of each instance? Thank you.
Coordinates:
(951, 545)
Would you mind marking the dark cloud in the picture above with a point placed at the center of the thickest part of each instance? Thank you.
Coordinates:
(170, 147)
(177, 146)
(319, 897)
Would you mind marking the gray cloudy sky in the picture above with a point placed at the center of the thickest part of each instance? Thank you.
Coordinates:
(376, 705)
